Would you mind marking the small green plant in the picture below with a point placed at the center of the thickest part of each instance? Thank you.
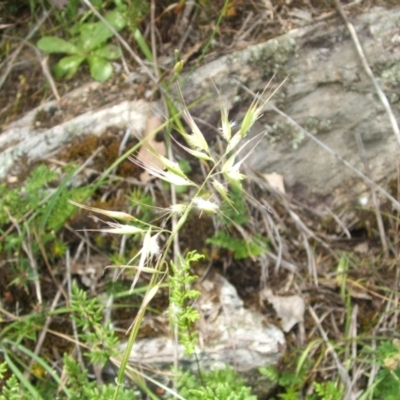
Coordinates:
(183, 315)
(11, 390)
(87, 44)
(223, 174)
(235, 212)
(88, 315)
(37, 202)
(93, 335)
(240, 248)
(35, 211)
(292, 383)
(328, 391)
(17, 202)
(221, 384)
(387, 383)
(81, 387)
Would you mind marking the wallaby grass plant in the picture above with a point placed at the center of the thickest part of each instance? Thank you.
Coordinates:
(223, 172)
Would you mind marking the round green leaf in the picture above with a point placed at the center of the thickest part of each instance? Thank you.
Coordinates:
(68, 66)
(116, 19)
(100, 69)
(94, 35)
(54, 44)
(109, 52)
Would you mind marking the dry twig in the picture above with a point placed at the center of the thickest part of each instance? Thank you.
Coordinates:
(344, 376)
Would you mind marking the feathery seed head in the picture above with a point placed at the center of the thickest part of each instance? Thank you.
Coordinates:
(234, 141)
(172, 166)
(226, 126)
(112, 214)
(169, 176)
(121, 229)
(177, 209)
(154, 246)
(196, 140)
(222, 190)
(206, 205)
(178, 179)
(231, 170)
(252, 114)
(149, 249)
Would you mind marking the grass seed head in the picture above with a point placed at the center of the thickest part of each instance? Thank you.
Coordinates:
(206, 205)
(196, 140)
(177, 209)
(173, 166)
(222, 190)
(226, 126)
(121, 229)
(112, 214)
(252, 114)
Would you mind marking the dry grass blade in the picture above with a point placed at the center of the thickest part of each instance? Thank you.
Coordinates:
(17, 51)
(184, 23)
(46, 325)
(341, 370)
(353, 335)
(27, 247)
(73, 322)
(375, 200)
(48, 76)
(339, 222)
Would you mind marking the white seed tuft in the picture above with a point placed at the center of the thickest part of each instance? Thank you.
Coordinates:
(205, 205)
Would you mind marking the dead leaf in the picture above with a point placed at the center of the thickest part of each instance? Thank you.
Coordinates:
(12, 179)
(276, 181)
(146, 152)
(60, 4)
(290, 309)
(361, 248)
(358, 294)
(301, 14)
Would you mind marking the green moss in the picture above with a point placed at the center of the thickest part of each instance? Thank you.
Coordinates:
(274, 54)
(285, 132)
(315, 125)
(391, 75)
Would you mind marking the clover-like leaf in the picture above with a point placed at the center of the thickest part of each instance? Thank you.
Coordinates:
(96, 34)
(93, 35)
(116, 19)
(68, 66)
(100, 69)
(109, 52)
(54, 44)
